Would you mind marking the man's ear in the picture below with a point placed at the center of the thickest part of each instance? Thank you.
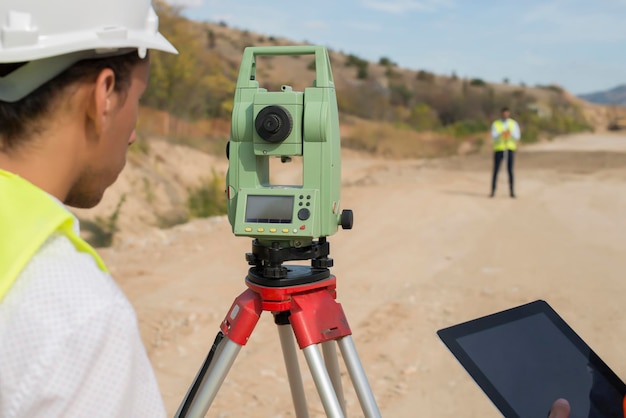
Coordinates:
(102, 100)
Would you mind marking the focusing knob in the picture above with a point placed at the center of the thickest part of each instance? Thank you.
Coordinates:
(273, 124)
(347, 219)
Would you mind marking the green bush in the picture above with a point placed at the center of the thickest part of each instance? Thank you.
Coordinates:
(102, 230)
(423, 118)
(361, 65)
(362, 72)
(466, 127)
(386, 62)
(425, 76)
(207, 199)
(477, 82)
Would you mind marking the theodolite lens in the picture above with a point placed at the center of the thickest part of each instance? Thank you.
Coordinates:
(273, 124)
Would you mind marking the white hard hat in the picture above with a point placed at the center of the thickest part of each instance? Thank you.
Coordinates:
(51, 35)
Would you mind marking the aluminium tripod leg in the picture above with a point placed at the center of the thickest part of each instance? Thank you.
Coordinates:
(322, 382)
(357, 374)
(235, 331)
(209, 380)
(317, 318)
(287, 342)
(329, 349)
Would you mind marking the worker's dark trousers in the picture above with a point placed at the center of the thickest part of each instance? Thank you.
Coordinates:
(498, 156)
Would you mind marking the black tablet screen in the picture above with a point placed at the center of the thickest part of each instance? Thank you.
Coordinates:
(526, 358)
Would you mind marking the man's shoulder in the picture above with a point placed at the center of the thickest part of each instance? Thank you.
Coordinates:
(63, 280)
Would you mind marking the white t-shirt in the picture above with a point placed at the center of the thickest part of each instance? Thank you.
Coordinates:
(69, 343)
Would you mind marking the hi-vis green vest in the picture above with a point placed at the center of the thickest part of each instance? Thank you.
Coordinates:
(28, 217)
(501, 144)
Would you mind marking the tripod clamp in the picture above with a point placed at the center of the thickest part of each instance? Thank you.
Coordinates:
(268, 262)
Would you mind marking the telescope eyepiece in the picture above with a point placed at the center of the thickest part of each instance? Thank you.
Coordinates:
(273, 124)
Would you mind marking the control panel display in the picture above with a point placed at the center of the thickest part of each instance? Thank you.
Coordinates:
(269, 209)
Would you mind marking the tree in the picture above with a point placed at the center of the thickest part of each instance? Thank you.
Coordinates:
(210, 35)
(425, 76)
(192, 84)
(386, 62)
(477, 82)
(400, 95)
(423, 118)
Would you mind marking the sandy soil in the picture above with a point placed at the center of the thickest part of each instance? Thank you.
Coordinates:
(428, 250)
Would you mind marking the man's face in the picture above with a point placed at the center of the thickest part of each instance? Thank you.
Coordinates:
(107, 157)
(506, 114)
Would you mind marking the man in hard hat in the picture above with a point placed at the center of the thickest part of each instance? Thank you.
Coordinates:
(71, 75)
(505, 133)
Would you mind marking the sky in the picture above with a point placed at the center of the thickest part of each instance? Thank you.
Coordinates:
(577, 44)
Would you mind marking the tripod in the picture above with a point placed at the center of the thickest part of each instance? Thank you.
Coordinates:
(302, 301)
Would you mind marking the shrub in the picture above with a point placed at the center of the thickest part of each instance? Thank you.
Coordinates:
(423, 118)
(362, 72)
(207, 199)
(360, 64)
(386, 62)
(466, 127)
(102, 230)
(425, 76)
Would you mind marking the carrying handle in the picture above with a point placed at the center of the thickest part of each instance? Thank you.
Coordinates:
(247, 73)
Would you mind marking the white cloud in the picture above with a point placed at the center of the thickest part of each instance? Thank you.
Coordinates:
(186, 3)
(406, 6)
(567, 22)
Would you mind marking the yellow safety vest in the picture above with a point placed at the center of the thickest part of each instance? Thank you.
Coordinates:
(28, 217)
(501, 144)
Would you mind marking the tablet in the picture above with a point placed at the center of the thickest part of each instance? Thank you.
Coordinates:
(526, 357)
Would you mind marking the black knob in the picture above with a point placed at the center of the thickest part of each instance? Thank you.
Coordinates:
(347, 219)
(304, 214)
(273, 124)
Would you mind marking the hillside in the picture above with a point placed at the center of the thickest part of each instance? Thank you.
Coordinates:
(199, 84)
(615, 96)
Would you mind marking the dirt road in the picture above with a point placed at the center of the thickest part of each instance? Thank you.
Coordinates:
(429, 249)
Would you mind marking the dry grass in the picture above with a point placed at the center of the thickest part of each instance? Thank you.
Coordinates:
(377, 138)
(208, 135)
(387, 140)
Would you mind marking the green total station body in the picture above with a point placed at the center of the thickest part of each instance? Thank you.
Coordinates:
(285, 124)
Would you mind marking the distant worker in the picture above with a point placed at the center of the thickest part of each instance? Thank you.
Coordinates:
(505, 133)
(71, 75)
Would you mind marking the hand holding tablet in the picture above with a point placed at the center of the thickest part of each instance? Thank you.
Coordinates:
(527, 357)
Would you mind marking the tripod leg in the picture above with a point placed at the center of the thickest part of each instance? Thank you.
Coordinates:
(285, 333)
(235, 331)
(209, 380)
(329, 350)
(322, 382)
(359, 380)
